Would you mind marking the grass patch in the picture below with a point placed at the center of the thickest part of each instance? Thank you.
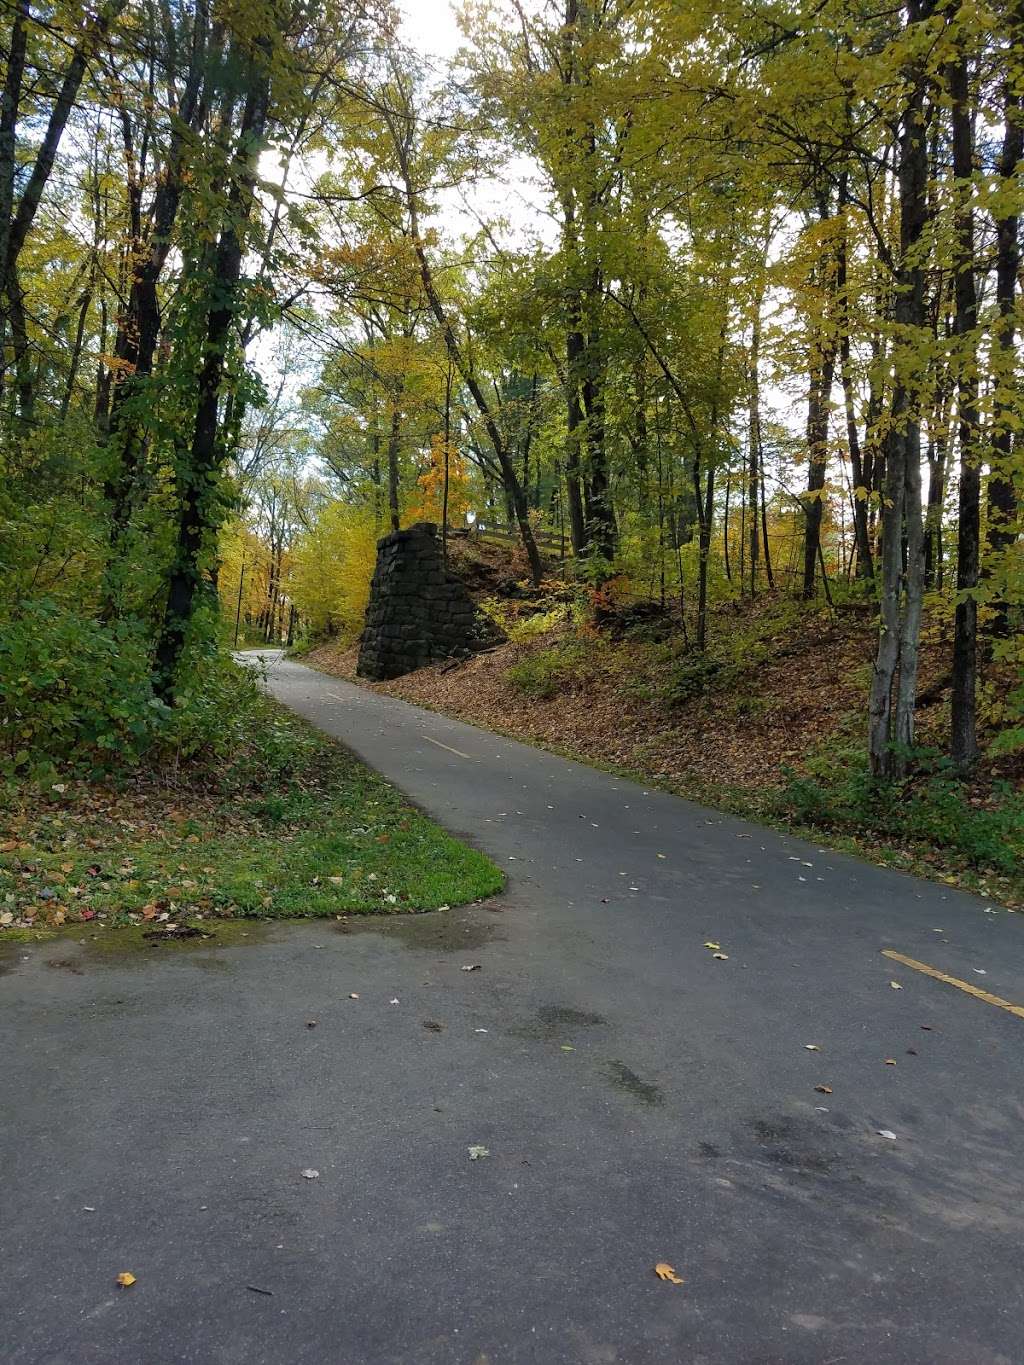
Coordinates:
(313, 833)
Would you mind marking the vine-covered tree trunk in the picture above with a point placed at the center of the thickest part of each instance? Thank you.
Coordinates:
(197, 481)
(1003, 512)
(138, 326)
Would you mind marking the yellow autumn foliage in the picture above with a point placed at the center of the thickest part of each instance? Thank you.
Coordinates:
(428, 504)
(331, 567)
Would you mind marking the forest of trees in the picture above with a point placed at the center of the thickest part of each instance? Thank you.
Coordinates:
(719, 299)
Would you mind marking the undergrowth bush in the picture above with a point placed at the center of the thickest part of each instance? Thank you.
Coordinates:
(543, 674)
(74, 692)
(933, 807)
(76, 699)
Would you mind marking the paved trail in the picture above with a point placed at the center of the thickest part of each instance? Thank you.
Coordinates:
(641, 1102)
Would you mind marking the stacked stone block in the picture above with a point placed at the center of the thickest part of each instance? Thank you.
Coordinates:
(418, 612)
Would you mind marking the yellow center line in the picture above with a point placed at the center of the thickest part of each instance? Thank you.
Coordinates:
(978, 994)
(445, 746)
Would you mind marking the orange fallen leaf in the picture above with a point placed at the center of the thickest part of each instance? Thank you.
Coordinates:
(823, 1089)
(665, 1272)
(125, 1279)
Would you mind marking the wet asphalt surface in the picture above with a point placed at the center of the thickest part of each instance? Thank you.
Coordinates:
(641, 1102)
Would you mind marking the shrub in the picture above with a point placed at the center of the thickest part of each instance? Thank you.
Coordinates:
(692, 676)
(933, 807)
(544, 673)
(73, 691)
(222, 722)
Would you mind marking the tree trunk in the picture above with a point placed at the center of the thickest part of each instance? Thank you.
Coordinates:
(705, 509)
(508, 472)
(754, 445)
(574, 441)
(963, 736)
(1003, 523)
(138, 330)
(891, 723)
(817, 456)
(600, 513)
(394, 440)
(860, 476)
(9, 125)
(197, 482)
(938, 449)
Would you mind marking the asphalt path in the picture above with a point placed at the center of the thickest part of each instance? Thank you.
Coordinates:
(641, 1101)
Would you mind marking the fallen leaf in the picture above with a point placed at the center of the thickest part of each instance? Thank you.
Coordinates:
(895, 985)
(721, 957)
(352, 995)
(823, 1089)
(472, 967)
(125, 1279)
(432, 1025)
(665, 1272)
(310, 1174)
(887, 1133)
(476, 1153)
(713, 946)
(812, 1047)
(890, 1061)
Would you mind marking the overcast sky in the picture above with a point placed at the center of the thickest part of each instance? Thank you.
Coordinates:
(429, 26)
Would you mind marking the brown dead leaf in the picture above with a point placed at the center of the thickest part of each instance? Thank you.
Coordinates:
(666, 1272)
(823, 1089)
